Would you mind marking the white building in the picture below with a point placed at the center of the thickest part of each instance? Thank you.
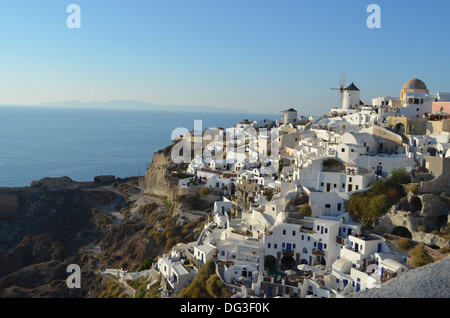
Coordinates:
(175, 272)
(204, 252)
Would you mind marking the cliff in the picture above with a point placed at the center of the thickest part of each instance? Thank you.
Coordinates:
(158, 179)
(103, 224)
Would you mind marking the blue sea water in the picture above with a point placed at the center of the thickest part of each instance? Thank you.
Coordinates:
(84, 143)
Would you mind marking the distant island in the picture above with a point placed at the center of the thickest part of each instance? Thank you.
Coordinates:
(133, 105)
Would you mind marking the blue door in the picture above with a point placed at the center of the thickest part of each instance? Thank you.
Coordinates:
(358, 287)
(379, 248)
(288, 247)
(319, 246)
(269, 291)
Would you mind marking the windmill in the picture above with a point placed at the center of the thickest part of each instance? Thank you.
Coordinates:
(341, 88)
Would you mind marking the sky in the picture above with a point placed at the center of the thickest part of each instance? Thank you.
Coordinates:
(255, 55)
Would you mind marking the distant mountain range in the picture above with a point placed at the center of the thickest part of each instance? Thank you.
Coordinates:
(136, 105)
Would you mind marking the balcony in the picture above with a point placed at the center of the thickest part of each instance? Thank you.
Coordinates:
(317, 252)
(340, 240)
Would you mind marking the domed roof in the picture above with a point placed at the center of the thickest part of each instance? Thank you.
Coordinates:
(415, 84)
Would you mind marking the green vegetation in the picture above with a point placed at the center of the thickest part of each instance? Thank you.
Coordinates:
(58, 251)
(367, 207)
(419, 257)
(113, 290)
(305, 210)
(148, 208)
(268, 193)
(404, 244)
(146, 264)
(331, 163)
(203, 192)
(140, 285)
(206, 284)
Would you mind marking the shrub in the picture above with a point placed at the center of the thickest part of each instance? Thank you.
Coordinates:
(203, 192)
(331, 163)
(197, 289)
(146, 264)
(215, 286)
(305, 210)
(404, 244)
(414, 188)
(419, 257)
(148, 208)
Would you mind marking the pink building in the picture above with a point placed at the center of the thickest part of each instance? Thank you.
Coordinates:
(441, 107)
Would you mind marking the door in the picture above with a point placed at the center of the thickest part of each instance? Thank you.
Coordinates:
(379, 170)
(319, 246)
(328, 187)
(288, 247)
(350, 188)
(356, 247)
(379, 248)
(269, 291)
(358, 287)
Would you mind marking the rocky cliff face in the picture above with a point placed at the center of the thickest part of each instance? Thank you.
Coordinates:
(158, 179)
(418, 217)
(96, 225)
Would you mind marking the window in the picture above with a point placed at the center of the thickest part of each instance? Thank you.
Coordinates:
(324, 246)
(326, 230)
(350, 179)
(293, 233)
(339, 206)
(343, 185)
(327, 206)
(303, 237)
(343, 150)
(268, 245)
(321, 184)
(356, 187)
(315, 244)
(275, 246)
(284, 232)
(334, 185)
(293, 246)
(318, 227)
(283, 245)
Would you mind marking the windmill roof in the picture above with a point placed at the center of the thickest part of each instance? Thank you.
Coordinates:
(352, 87)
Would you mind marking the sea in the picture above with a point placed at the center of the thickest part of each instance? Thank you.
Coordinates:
(39, 142)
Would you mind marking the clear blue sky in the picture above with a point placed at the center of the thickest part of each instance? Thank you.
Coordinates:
(258, 55)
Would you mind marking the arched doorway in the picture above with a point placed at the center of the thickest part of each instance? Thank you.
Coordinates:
(401, 231)
(270, 262)
(287, 262)
(399, 128)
